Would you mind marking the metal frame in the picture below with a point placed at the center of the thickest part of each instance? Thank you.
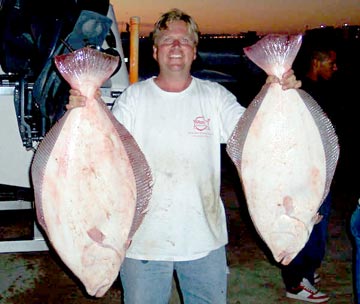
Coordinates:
(11, 89)
(37, 243)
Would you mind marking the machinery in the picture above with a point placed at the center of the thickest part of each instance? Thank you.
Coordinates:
(24, 124)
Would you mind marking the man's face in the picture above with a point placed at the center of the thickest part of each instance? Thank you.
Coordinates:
(175, 48)
(328, 67)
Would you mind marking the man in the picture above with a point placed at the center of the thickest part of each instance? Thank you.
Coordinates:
(300, 275)
(179, 122)
(318, 80)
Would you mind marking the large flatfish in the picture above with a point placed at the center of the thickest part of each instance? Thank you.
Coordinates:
(91, 181)
(285, 150)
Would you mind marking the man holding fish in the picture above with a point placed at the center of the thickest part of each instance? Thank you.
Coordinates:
(179, 122)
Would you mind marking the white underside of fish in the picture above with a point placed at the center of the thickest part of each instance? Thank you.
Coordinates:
(88, 198)
(285, 150)
(91, 181)
(285, 181)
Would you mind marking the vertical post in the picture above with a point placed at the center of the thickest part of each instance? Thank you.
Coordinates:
(134, 49)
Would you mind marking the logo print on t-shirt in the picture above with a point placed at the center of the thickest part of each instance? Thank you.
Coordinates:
(201, 124)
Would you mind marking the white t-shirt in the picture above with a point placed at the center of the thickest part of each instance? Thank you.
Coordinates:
(180, 135)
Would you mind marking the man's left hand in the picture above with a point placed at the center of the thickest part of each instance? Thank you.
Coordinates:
(288, 80)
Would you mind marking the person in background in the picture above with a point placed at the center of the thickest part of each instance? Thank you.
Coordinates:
(179, 122)
(355, 231)
(319, 80)
(300, 275)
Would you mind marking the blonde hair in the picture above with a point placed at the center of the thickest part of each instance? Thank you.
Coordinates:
(175, 15)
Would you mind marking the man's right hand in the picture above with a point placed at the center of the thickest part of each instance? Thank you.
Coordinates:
(75, 100)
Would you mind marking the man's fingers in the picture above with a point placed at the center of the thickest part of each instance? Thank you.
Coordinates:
(74, 92)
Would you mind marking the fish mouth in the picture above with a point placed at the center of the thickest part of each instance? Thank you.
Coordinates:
(100, 290)
(100, 268)
(285, 258)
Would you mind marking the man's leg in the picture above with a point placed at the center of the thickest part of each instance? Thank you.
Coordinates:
(146, 282)
(204, 280)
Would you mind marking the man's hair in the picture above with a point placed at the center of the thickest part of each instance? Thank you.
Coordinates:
(307, 54)
(322, 54)
(175, 15)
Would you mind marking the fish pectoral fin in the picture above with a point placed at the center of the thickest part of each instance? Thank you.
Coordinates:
(287, 238)
(317, 218)
(96, 235)
(128, 243)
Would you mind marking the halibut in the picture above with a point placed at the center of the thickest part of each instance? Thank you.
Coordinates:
(91, 181)
(285, 150)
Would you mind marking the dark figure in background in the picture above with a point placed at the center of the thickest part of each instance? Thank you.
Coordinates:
(300, 275)
(319, 80)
